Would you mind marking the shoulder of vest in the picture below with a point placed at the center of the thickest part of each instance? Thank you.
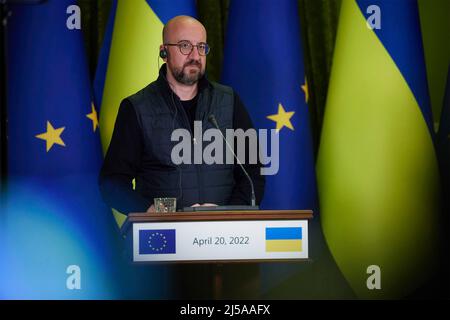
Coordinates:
(140, 96)
(222, 88)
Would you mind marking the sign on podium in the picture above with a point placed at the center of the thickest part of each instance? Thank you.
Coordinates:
(212, 236)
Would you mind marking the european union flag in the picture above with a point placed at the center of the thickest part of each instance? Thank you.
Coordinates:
(55, 216)
(156, 241)
(264, 64)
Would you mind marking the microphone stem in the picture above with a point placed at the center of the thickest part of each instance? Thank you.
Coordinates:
(253, 199)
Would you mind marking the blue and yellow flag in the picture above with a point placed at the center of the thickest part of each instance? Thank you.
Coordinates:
(377, 169)
(264, 64)
(129, 58)
(60, 241)
(284, 239)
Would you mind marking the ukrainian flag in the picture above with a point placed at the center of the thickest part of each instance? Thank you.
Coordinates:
(284, 239)
(129, 58)
(377, 169)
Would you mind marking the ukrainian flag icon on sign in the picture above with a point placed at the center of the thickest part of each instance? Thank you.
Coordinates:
(284, 239)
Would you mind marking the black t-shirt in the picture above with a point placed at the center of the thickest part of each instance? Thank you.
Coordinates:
(190, 106)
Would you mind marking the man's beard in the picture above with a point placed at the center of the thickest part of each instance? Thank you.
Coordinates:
(188, 78)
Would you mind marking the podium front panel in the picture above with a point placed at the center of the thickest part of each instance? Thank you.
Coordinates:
(192, 241)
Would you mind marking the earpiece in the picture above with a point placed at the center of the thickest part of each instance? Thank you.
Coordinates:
(163, 53)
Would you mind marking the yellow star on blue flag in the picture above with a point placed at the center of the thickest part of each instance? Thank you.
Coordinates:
(93, 117)
(306, 90)
(282, 118)
(52, 136)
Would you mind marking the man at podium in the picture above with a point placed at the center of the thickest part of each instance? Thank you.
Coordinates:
(141, 145)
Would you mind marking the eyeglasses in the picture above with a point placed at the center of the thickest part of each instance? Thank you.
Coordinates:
(186, 47)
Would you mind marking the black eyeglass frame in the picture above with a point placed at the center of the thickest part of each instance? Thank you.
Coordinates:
(180, 43)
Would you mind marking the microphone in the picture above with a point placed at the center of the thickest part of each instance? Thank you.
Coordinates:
(212, 119)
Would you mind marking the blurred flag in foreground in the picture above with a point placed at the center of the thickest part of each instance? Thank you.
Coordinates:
(377, 169)
(60, 241)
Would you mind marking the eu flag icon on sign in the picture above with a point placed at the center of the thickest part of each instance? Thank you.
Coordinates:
(156, 241)
(283, 239)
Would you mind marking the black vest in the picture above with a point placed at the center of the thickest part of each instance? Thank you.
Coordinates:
(159, 112)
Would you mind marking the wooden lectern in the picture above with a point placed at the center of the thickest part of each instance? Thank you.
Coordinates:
(218, 237)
